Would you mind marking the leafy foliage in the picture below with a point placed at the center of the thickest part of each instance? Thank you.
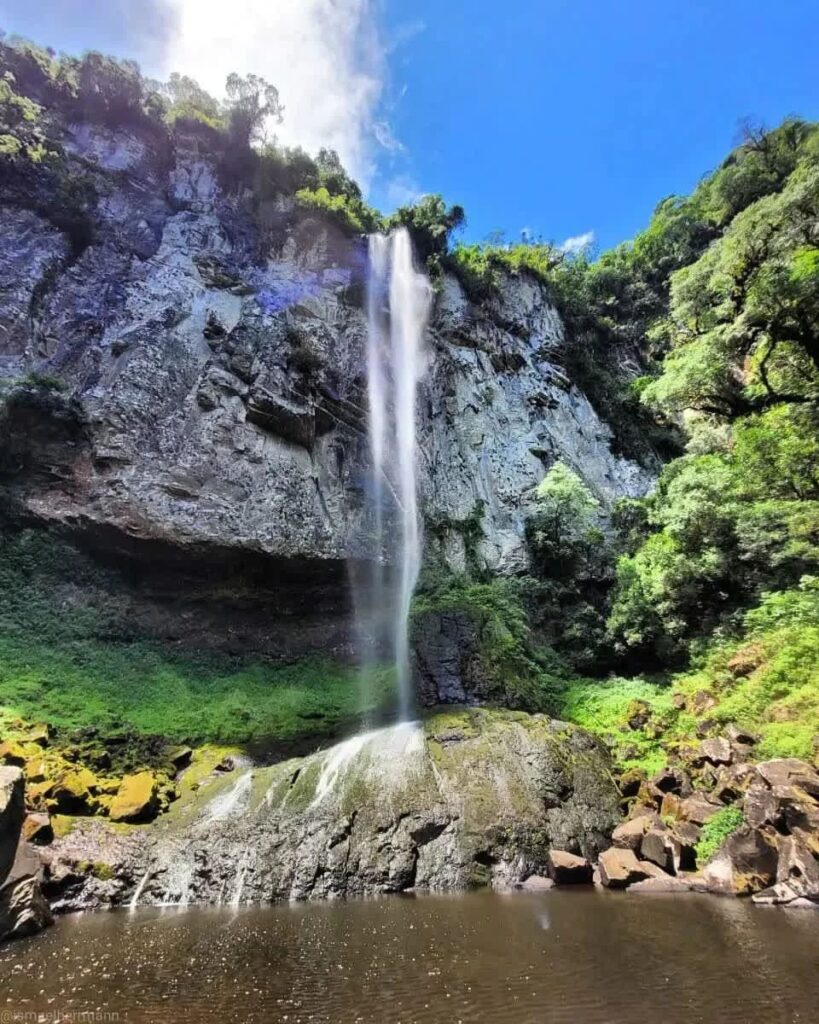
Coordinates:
(519, 672)
(716, 830)
(430, 223)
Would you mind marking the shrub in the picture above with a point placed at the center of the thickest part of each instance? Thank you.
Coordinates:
(716, 830)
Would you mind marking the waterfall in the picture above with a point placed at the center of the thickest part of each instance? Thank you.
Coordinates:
(398, 301)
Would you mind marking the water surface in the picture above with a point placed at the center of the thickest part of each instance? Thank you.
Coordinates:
(582, 957)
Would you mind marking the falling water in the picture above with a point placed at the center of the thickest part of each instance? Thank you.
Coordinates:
(398, 297)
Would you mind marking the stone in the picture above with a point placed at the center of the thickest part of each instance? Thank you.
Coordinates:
(637, 714)
(12, 812)
(658, 847)
(737, 735)
(629, 835)
(673, 780)
(670, 807)
(631, 781)
(619, 868)
(37, 828)
(39, 734)
(180, 757)
(697, 809)
(686, 835)
(73, 792)
(536, 883)
(24, 910)
(716, 751)
(702, 701)
(745, 863)
(568, 869)
(137, 798)
(760, 806)
(781, 770)
(13, 752)
(660, 884)
(798, 867)
(732, 781)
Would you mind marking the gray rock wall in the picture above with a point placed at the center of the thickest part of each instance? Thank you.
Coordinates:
(215, 353)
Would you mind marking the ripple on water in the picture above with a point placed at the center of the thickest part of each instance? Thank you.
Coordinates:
(597, 959)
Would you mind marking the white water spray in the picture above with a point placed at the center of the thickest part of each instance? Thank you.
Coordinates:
(393, 371)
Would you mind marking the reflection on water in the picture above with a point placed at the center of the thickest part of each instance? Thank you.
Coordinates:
(579, 957)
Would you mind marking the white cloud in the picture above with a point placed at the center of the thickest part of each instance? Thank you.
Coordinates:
(327, 58)
(402, 190)
(577, 243)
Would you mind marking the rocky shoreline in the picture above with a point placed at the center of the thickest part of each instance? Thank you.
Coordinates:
(471, 798)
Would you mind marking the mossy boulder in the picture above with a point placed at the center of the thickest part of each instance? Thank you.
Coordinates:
(137, 799)
(13, 752)
(74, 792)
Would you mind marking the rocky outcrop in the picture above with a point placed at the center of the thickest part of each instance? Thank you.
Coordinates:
(471, 798)
(750, 829)
(23, 908)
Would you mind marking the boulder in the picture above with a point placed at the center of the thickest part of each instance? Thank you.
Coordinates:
(12, 812)
(37, 828)
(760, 806)
(670, 807)
(568, 869)
(714, 751)
(686, 835)
(180, 757)
(631, 781)
(23, 908)
(661, 883)
(620, 868)
(638, 713)
(137, 798)
(73, 792)
(673, 780)
(737, 735)
(732, 781)
(536, 883)
(780, 771)
(39, 734)
(659, 847)
(629, 835)
(798, 867)
(745, 863)
(13, 752)
(697, 809)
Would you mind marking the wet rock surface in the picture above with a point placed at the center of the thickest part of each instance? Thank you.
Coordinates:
(471, 798)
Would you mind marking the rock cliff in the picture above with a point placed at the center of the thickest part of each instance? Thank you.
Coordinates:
(184, 389)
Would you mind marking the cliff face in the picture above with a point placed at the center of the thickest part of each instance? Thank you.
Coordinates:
(210, 424)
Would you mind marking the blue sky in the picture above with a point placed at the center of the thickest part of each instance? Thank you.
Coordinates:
(560, 117)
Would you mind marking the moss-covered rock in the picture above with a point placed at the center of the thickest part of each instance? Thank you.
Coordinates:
(137, 798)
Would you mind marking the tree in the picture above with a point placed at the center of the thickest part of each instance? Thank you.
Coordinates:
(431, 223)
(250, 102)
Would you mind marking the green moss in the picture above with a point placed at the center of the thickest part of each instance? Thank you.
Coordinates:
(716, 830)
(516, 672)
(68, 659)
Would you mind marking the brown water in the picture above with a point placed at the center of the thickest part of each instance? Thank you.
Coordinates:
(579, 957)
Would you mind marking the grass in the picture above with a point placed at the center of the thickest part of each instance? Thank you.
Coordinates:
(766, 683)
(604, 707)
(137, 687)
(68, 658)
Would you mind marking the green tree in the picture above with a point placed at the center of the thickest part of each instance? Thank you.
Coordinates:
(251, 101)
